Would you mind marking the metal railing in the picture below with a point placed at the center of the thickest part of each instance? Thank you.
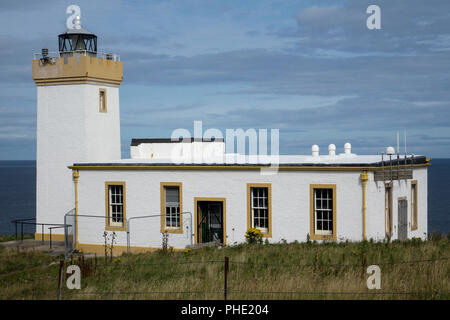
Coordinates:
(189, 228)
(28, 221)
(72, 215)
(56, 54)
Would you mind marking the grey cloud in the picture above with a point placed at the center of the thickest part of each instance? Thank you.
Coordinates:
(408, 27)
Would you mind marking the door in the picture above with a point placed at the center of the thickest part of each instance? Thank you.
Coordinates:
(209, 221)
(402, 219)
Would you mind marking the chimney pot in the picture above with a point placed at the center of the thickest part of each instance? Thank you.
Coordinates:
(315, 150)
(332, 150)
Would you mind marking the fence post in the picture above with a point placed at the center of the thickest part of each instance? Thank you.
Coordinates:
(225, 289)
(60, 277)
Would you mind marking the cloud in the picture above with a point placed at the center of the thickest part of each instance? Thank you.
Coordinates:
(257, 64)
(407, 27)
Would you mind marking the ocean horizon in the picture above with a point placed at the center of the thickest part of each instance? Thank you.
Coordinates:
(18, 194)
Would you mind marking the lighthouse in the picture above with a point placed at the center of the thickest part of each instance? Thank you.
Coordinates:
(77, 117)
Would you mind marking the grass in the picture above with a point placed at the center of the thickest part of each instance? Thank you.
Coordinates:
(267, 271)
(4, 238)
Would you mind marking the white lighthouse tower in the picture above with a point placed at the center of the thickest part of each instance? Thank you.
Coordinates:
(77, 118)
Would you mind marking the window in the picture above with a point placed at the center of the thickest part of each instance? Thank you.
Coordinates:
(388, 209)
(323, 212)
(102, 100)
(414, 205)
(259, 207)
(115, 206)
(171, 207)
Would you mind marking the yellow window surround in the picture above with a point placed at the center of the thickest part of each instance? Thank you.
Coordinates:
(268, 233)
(102, 100)
(163, 206)
(312, 234)
(107, 206)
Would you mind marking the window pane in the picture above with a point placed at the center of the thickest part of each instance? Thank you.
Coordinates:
(259, 207)
(319, 225)
(323, 214)
(172, 194)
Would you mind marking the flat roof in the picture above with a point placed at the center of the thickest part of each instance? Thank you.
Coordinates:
(138, 141)
(255, 161)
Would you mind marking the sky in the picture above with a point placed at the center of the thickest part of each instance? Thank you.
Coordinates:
(311, 69)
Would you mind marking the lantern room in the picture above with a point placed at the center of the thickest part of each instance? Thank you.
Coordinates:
(77, 41)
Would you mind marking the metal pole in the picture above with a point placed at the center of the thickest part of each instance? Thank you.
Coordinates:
(21, 228)
(191, 235)
(390, 164)
(42, 232)
(65, 238)
(128, 235)
(15, 224)
(225, 289)
(50, 237)
(60, 278)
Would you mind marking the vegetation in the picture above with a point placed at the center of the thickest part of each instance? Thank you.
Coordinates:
(253, 236)
(257, 271)
(4, 238)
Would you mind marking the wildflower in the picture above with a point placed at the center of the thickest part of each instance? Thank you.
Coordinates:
(253, 235)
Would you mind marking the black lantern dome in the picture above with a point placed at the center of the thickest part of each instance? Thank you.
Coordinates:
(77, 41)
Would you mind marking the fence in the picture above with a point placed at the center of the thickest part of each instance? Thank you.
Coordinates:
(42, 226)
(227, 269)
(140, 232)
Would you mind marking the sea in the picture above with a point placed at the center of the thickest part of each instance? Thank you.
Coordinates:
(18, 195)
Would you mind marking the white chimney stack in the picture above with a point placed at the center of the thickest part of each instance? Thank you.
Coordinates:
(347, 148)
(332, 150)
(315, 150)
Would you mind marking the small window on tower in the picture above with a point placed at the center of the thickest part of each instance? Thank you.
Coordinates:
(102, 100)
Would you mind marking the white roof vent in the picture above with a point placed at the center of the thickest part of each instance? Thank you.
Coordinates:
(390, 150)
(315, 150)
(347, 148)
(332, 150)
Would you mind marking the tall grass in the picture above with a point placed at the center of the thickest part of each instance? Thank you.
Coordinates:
(265, 271)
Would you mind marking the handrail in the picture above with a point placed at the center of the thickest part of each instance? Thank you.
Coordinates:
(69, 214)
(100, 54)
(27, 221)
(154, 216)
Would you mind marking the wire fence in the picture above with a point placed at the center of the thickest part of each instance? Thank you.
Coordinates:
(98, 270)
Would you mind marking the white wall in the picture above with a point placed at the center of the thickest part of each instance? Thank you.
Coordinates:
(290, 202)
(70, 129)
(375, 206)
(178, 149)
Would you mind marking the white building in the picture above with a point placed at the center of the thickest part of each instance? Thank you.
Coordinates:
(192, 189)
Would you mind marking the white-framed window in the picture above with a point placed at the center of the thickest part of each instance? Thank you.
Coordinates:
(116, 205)
(323, 211)
(172, 206)
(259, 202)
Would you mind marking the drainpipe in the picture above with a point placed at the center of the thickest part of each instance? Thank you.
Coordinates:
(76, 176)
(364, 177)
